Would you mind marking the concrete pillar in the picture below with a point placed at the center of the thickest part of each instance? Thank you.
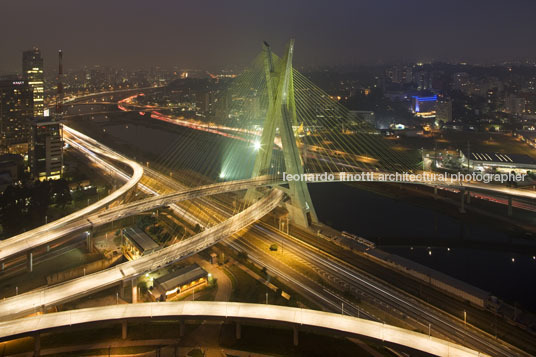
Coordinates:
(122, 290)
(89, 243)
(181, 328)
(435, 192)
(134, 283)
(238, 331)
(37, 345)
(124, 330)
(48, 248)
(462, 201)
(296, 336)
(509, 206)
(468, 197)
(3, 266)
(29, 261)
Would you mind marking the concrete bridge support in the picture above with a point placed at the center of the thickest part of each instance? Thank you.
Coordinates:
(29, 261)
(37, 345)
(295, 335)
(122, 290)
(181, 328)
(509, 211)
(238, 330)
(89, 242)
(124, 330)
(134, 286)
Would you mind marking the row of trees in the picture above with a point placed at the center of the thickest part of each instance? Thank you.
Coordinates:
(25, 207)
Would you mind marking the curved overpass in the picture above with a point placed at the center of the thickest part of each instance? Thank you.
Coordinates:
(49, 232)
(293, 317)
(82, 221)
(19, 244)
(39, 299)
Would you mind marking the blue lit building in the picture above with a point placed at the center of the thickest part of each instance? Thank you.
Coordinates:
(424, 107)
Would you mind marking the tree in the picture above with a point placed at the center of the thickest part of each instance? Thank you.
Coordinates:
(197, 228)
(13, 209)
(61, 193)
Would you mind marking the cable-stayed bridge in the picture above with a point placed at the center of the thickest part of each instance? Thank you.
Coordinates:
(300, 130)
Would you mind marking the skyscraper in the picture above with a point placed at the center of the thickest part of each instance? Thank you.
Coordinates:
(16, 113)
(32, 72)
(46, 148)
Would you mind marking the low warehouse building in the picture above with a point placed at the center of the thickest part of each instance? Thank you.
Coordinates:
(483, 161)
(180, 281)
(137, 243)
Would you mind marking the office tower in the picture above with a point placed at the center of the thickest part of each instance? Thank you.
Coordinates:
(46, 148)
(32, 72)
(16, 113)
(46, 151)
(444, 110)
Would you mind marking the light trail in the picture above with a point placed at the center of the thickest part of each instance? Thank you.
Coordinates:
(224, 310)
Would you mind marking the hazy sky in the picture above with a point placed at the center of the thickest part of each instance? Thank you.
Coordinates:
(219, 33)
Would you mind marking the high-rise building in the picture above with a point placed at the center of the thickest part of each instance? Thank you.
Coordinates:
(16, 113)
(45, 155)
(46, 147)
(397, 74)
(514, 105)
(444, 110)
(32, 72)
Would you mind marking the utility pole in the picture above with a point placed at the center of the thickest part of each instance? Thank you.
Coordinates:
(468, 155)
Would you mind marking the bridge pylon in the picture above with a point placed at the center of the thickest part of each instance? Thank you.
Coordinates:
(281, 114)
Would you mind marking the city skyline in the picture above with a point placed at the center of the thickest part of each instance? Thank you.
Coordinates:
(214, 35)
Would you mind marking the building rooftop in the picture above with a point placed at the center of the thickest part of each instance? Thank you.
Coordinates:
(502, 158)
(140, 239)
(180, 277)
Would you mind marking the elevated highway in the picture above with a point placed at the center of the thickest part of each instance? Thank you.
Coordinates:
(83, 221)
(40, 299)
(240, 312)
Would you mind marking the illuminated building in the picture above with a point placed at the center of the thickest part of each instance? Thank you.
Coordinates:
(32, 72)
(180, 281)
(400, 74)
(137, 243)
(484, 161)
(514, 105)
(444, 111)
(424, 107)
(16, 112)
(46, 147)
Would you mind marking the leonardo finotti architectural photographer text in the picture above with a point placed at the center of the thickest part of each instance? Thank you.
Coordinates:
(425, 177)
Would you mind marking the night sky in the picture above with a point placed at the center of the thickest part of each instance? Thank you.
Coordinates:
(219, 34)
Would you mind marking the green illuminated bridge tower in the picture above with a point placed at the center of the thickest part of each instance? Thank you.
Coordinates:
(281, 114)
